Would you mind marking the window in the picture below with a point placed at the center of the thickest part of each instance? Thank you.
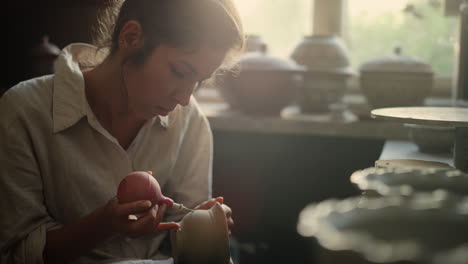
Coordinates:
(280, 23)
(419, 27)
(372, 28)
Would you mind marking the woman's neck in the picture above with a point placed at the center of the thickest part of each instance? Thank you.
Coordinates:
(107, 97)
(105, 90)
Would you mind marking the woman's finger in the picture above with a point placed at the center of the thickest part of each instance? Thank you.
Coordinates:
(208, 204)
(167, 226)
(220, 199)
(145, 223)
(160, 212)
(227, 210)
(132, 208)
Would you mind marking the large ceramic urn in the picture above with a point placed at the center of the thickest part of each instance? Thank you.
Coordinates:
(328, 70)
(396, 80)
(262, 84)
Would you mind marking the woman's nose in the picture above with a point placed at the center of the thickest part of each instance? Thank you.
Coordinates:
(183, 94)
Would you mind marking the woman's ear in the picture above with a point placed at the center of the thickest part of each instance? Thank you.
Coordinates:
(131, 37)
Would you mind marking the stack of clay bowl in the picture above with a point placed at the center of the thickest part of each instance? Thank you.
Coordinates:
(458, 255)
(406, 215)
(424, 228)
(408, 181)
(326, 59)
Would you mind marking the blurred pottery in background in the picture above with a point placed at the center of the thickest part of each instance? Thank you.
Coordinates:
(432, 139)
(393, 230)
(43, 57)
(458, 255)
(410, 164)
(328, 69)
(254, 43)
(411, 181)
(202, 238)
(263, 84)
(396, 80)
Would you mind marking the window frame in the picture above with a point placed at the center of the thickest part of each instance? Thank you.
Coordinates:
(330, 17)
(443, 84)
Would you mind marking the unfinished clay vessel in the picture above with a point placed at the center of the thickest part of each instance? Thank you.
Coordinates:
(202, 238)
(141, 185)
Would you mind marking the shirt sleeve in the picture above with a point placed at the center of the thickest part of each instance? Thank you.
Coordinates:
(24, 221)
(191, 179)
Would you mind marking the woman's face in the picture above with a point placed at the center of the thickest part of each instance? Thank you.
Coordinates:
(167, 78)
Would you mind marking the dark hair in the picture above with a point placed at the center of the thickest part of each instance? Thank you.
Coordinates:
(178, 23)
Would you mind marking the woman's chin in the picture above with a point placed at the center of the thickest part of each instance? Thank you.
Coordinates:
(147, 115)
(160, 111)
(151, 112)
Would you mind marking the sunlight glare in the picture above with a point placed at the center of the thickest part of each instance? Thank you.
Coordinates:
(375, 8)
(246, 7)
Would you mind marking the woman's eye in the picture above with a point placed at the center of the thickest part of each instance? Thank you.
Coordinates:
(177, 73)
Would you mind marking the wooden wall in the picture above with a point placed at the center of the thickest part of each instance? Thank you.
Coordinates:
(268, 179)
(27, 21)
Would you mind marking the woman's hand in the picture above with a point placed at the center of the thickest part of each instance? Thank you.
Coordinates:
(227, 210)
(78, 238)
(117, 217)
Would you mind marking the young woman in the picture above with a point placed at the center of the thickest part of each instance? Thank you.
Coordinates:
(68, 139)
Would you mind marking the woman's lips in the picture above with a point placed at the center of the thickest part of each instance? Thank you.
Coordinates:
(167, 109)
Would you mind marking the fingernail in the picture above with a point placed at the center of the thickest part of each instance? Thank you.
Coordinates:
(145, 204)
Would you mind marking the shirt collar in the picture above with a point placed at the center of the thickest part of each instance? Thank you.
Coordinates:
(69, 98)
(164, 121)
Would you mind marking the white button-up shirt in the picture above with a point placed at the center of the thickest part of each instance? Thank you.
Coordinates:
(58, 164)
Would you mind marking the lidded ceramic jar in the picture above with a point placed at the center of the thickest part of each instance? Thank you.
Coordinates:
(202, 238)
(262, 85)
(386, 229)
(328, 69)
(396, 80)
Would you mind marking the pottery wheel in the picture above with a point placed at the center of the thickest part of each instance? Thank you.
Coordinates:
(434, 116)
(431, 116)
